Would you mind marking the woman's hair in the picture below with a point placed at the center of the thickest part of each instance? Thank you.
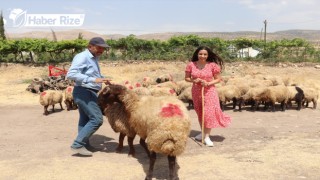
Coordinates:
(212, 57)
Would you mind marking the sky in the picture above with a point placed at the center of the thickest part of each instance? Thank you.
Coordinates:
(159, 16)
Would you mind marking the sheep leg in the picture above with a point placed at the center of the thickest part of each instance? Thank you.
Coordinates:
(283, 106)
(273, 106)
(131, 151)
(221, 105)
(120, 145)
(68, 104)
(234, 103)
(255, 106)
(314, 104)
(61, 105)
(74, 105)
(53, 108)
(144, 145)
(299, 102)
(152, 159)
(46, 112)
(172, 168)
(240, 106)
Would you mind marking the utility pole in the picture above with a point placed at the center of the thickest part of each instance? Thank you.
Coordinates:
(265, 33)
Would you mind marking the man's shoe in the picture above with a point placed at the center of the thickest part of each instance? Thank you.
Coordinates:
(208, 142)
(198, 137)
(90, 148)
(82, 151)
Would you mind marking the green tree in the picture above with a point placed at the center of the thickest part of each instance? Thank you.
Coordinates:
(2, 34)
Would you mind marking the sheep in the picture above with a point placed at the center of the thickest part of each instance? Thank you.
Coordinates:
(118, 120)
(169, 84)
(164, 78)
(162, 121)
(142, 91)
(227, 93)
(273, 94)
(295, 94)
(68, 98)
(253, 95)
(147, 81)
(162, 91)
(50, 97)
(310, 94)
(182, 85)
(186, 96)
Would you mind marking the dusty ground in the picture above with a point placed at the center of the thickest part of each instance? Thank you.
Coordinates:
(257, 145)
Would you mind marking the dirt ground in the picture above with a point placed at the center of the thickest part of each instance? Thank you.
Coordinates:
(257, 145)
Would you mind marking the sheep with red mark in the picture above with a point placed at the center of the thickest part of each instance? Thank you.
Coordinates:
(162, 91)
(50, 97)
(148, 81)
(117, 117)
(162, 121)
(68, 98)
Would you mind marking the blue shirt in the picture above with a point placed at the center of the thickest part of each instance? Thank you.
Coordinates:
(84, 70)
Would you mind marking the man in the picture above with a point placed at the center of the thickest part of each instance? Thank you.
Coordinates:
(85, 71)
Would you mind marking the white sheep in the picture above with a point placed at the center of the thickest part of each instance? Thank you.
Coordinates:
(142, 91)
(229, 93)
(253, 96)
(162, 121)
(162, 91)
(50, 97)
(68, 98)
(118, 120)
(310, 95)
(182, 85)
(186, 97)
(295, 94)
(273, 94)
(164, 78)
(147, 81)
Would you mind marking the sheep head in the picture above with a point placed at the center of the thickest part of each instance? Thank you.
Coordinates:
(109, 95)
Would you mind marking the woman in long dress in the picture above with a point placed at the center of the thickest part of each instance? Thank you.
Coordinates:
(204, 72)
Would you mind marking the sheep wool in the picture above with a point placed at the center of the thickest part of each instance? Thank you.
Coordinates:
(163, 121)
(68, 98)
(50, 97)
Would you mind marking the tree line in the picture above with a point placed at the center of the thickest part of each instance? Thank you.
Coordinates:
(179, 48)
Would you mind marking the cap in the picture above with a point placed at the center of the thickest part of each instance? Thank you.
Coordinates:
(98, 41)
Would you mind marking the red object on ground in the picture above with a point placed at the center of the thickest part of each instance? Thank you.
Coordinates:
(54, 71)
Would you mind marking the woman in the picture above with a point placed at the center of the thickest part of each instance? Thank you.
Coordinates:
(204, 72)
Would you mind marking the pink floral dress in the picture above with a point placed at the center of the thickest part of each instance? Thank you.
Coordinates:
(213, 115)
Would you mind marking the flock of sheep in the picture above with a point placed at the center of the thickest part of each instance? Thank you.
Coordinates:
(268, 90)
(154, 108)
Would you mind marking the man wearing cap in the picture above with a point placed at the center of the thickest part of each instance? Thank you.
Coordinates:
(85, 71)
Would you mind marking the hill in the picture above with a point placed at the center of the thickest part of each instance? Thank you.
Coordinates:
(309, 35)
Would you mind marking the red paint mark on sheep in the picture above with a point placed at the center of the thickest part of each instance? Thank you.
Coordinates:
(69, 89)
(171, 110)
(172, 91)
(138, 85)
(145, 79)
(43, 93)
